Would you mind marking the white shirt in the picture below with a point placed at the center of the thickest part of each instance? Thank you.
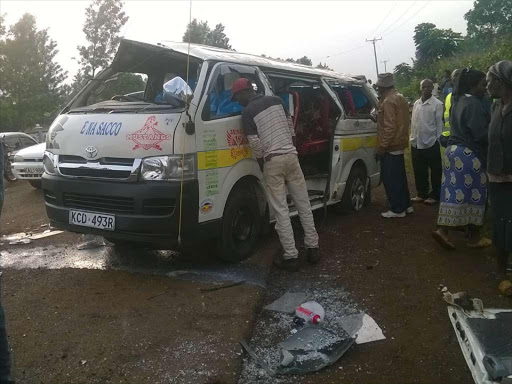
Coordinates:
(427, 123)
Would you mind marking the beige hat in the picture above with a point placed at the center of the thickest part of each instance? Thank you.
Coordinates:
(385, 80)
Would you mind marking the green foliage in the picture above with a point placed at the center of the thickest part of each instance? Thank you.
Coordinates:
(433, 44)
(199, 32)
(324, 66)
(103, 23)
(489, 21)
(123, 84)
(31, 88)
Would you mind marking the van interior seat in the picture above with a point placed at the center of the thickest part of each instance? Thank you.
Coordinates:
(316, 139)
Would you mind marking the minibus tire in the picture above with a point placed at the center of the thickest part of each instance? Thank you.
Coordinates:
(243, 205)
(36, 184)
(356, 179)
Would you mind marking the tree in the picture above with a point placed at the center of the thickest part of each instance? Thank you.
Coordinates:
(304, 60)
(324, 66)
(30, 80)
(433, 44)
(403, 74)
(488, 21)
(103, 23)
(217, 38)
(199, 32)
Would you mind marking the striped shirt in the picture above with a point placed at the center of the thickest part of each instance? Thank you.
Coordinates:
(268, 126)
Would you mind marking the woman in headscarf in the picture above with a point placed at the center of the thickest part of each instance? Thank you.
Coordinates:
(464, 181)
(499, 165)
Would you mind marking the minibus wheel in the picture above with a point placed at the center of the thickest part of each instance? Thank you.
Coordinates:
(355, 194)
(241, 225)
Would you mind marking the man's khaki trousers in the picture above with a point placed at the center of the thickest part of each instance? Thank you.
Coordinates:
(281, 172)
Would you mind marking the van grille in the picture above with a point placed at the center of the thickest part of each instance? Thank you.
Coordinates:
(109, 204)
(99, 203)
(91, 172)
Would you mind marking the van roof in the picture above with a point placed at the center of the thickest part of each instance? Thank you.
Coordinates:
(205, 52)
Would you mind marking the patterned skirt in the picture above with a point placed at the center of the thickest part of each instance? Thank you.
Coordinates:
(463, 188)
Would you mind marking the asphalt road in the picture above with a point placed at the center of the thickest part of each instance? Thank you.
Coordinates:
(108, 315)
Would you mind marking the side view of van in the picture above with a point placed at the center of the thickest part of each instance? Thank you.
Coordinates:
(167, 161)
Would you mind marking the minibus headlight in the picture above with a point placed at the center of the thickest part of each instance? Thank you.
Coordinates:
(49, 163)
(169, 167)
(18, 159)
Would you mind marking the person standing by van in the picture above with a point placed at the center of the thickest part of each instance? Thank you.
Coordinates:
(271, 137)
(426, 130)
(499, 162)
(392, 139)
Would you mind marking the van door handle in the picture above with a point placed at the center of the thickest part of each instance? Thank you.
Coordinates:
(336, 148)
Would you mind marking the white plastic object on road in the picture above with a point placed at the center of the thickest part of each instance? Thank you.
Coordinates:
(311, 312)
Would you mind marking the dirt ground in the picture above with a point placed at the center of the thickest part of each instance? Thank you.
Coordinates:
(104, 326)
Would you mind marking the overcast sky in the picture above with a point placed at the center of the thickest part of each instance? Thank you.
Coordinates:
(333, 32)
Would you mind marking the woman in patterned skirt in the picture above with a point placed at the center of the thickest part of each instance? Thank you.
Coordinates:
(464, 181)
(499, 165)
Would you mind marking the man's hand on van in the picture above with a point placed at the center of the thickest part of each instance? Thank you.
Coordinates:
(260, 163)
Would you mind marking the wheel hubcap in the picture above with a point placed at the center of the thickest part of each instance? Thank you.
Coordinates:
(358, 194)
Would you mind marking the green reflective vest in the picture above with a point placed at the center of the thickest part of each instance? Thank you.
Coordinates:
(447, 106)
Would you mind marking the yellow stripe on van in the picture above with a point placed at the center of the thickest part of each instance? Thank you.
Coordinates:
(351, 144)
(370, 142)
(222, 157)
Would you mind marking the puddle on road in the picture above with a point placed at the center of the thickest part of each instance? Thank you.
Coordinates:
(131, 260)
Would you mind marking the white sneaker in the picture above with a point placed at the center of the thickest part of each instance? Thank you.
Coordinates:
(391, 215)
(431, 201)
(417, 199)
(409, 210)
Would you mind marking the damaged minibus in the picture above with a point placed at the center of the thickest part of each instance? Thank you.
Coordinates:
(167, 162)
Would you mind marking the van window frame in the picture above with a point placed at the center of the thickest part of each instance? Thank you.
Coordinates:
(212, 77)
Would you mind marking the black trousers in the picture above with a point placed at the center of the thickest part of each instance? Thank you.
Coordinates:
(422, 161)
(394, 178)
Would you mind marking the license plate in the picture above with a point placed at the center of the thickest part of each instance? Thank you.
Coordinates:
(35, 171)
(92, 220)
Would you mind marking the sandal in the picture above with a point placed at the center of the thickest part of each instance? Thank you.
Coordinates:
(484, 242)
(443, 241)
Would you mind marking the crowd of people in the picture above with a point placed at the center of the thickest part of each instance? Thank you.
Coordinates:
(474, 124)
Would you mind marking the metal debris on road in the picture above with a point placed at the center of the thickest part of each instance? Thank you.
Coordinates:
(484, 336)
(20, 241)
(287, 303)
(258, 361)
(44, 234)
(311, 349)
(222, 286)
(362, 327)
(90, 242)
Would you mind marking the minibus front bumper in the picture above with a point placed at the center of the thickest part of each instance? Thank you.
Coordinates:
(146, 213)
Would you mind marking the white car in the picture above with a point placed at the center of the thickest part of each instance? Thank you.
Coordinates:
(28, 164)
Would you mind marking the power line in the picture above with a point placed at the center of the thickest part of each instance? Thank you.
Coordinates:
(402, 15)
(419, 10)
(385, 18)
(340, 53)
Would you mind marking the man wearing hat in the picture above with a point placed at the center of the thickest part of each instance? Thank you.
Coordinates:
(272, 138)
(392, 139)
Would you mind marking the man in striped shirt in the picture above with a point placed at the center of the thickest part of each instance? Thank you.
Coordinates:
(271, 136)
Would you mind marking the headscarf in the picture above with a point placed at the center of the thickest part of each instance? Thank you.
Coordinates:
(503, 71)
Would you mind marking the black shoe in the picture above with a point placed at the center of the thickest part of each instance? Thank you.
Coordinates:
(290, 265)
(313, 255)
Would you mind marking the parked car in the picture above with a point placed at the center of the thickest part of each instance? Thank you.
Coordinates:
(14, 141)
(28, 164)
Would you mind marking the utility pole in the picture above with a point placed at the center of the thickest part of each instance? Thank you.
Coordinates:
(373, 41)
(385, 65)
